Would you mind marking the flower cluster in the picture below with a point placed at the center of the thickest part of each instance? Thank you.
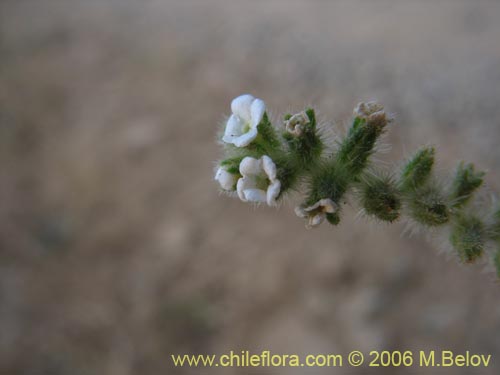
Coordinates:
(264, 162)
(254, 179)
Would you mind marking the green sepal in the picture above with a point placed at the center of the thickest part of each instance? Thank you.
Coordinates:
(495, 227)
(429, 206)
(468, 237)
(333, 218)
(496, 261)
(358, 145)
(417, 170)
(466, 181)
(380, 197)
(312, 118)
(288, 172)
(329, 180)
(267, 140)
(232, 165)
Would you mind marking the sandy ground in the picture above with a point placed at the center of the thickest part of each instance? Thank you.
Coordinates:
(116, 248)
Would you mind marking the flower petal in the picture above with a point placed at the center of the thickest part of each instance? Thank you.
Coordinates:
(296, 124)
(316, 220)
(234, 128)
(269, 167)
(255, 195)
(328, 205)
(240, 186)
(272, 193)
(250, 166)
(240, 106)
(257, 110)
(312, 208)
(245, 139)
(225, 179)
(301, 212)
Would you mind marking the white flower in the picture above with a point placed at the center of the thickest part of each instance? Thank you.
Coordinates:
(316, 213)
(241, 127)
(296, 124)
(259, 182)
(226, 180)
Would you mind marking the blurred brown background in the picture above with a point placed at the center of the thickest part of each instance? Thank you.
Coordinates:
(116, 248)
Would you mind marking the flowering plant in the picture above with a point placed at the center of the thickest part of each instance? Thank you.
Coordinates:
(263, 163)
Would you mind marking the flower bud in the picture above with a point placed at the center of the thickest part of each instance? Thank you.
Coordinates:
(296, 124)
(373, 113)
(227, 180)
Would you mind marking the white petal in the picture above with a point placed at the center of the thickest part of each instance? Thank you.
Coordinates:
(234, 128)
(272, 193)
(240, 106)
(239, 189)
(217, 173)
(245, 139)
(269, 167)
(316, 220)
(255, 195)
(296, 130)
(300, 212)
(250, 166)
(328, 205)
(313, 207)
(226, 179)
(257, 111)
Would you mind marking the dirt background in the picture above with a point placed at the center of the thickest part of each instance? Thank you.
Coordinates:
(116, 249)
